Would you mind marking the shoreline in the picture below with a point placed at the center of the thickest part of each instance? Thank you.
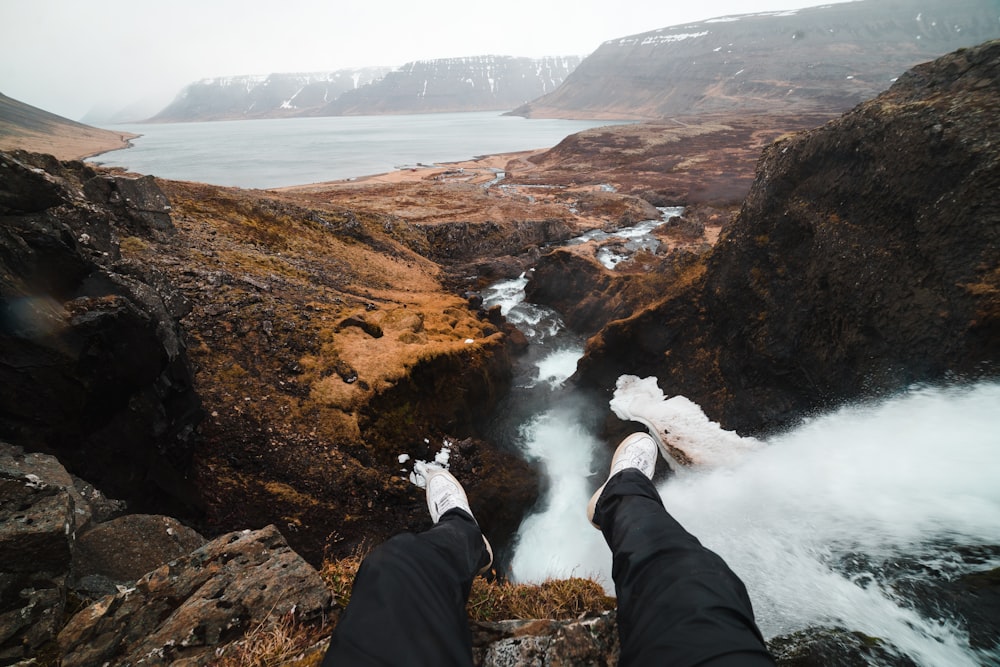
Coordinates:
(83, 147)
(127, 138)
(480, 169)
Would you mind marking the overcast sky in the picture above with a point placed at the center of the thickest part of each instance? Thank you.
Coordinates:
(69, 56)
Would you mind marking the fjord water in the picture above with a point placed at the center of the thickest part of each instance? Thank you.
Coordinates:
(296, 151)
(829, 524)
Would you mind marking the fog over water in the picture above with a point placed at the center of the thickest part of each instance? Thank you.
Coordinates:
(280, 152)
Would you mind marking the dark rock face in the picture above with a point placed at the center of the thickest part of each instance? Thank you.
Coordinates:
(465, 241)
(589, 296)
(185, 609)
(864, 259)
(825, 58)
(38, 513)
(92, 364)
(481, 83)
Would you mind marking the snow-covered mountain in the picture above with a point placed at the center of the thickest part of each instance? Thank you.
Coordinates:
(476, 83)
(267, 96)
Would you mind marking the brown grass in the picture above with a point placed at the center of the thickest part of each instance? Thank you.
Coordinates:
(557, 599)
(269, 645)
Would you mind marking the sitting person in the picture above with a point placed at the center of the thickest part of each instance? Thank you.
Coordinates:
(678, 603)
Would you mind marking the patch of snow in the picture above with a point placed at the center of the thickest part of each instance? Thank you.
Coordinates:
(403, 458)
(440, 460)
(724, 19)
(679, 425)
(661, 39)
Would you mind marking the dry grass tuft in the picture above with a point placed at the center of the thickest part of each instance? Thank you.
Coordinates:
(279, 644)
(557, 599)
(339, 577)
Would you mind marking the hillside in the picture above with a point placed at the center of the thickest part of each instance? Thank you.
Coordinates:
(25, 127)
(827, 58)
(481, 83)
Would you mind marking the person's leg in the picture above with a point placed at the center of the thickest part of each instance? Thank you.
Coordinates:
(678, 602)
(407, 605)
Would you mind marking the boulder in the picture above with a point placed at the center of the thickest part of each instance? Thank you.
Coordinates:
(589, 641)
(184, 610)
(120, 551)
(821, 646)
(38, 512)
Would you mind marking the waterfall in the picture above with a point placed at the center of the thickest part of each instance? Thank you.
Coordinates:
(829, 524)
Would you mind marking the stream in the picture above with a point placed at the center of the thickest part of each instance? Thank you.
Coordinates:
(847, 520)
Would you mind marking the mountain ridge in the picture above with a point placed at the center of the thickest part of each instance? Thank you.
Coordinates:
(471, 83)
(276, 95)
(826, 58)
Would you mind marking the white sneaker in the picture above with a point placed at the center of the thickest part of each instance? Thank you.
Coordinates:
(638, 451)
(445, 493)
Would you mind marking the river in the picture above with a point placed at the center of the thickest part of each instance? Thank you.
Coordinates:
(834, 523)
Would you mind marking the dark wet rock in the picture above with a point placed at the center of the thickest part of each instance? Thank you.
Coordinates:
(187, 608)
(137, 201)
(120, 551)
(863, 260)
(978, 598)
(685, 227)
(92, 362)
(819, 647)
(589, 641)
(28, 190)
(101, 507)
(588, 295)
(38, 511)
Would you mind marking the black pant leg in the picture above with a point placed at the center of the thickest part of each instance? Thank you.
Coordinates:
(408, 602)
(678, 602)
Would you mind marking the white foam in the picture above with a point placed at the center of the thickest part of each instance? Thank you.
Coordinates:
(559, 542)
(556, 367)
(906, 478)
